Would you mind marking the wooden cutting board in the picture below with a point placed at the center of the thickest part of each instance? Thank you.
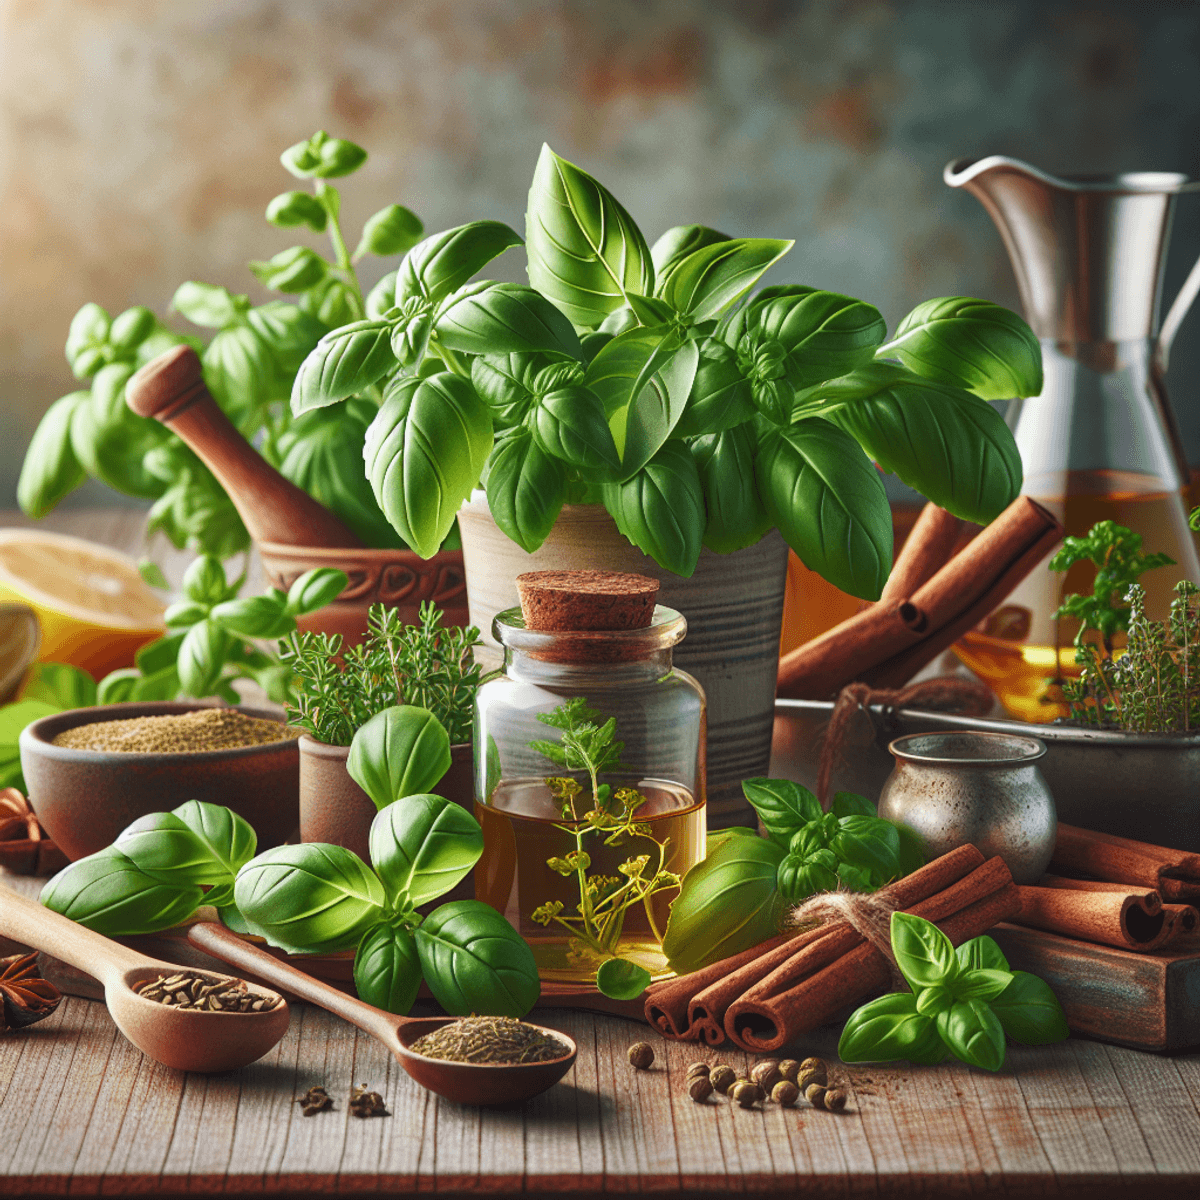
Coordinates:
(1146, 1001)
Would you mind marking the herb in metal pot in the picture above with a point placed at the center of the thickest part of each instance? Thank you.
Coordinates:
(428, 665)
(587, 744)
(963, 1002)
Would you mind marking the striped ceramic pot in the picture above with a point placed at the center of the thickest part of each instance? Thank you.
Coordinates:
(733, 604)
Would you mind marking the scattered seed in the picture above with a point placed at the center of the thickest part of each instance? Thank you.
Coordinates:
(641, 1055)
(203, 995)
(766, 1074)
(745, 1093)
(785, 1093)
(698, 1068)
(367, 1104)
(699, 1088)
(835, 1100)
(815, 1095)
(315, 1100)
(789, 1068)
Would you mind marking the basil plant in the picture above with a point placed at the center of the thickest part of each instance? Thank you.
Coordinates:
(649, 379)
(315, 898)
(250, 359)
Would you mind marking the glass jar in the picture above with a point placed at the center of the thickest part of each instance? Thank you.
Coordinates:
(581, 881)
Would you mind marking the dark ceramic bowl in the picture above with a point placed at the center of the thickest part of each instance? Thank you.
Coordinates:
(84, 798)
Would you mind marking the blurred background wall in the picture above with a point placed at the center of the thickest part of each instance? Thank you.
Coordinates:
(139, 140)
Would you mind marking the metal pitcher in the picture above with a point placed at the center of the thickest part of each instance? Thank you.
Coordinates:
(1100, 440)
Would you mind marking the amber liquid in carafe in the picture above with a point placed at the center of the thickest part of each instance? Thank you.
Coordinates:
(520, 833)
(1026, 651)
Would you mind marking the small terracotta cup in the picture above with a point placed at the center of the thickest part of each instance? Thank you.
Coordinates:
(84, 798)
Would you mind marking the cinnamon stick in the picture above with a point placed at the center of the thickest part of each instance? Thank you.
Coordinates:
(1126, 920)
(706, 994)
(781, 1007)
(886, 644)
(929, 546)
(1175, 874)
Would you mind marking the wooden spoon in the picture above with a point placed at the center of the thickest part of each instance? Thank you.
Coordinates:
(466, 1083)
(171, 388)
(186, 1039)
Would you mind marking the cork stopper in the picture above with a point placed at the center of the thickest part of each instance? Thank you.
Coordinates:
(574, 601)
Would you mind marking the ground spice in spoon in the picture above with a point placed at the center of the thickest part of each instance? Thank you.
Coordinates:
(490, 1040)
(185, 990)
(183, 733)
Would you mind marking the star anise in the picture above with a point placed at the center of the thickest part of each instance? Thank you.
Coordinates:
(25, 996)
(24, 847)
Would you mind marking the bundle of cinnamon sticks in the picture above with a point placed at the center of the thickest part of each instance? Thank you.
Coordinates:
(766, 997)
(932, 597)
(1115, 891)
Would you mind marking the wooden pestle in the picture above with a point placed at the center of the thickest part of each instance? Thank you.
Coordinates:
(171, 389)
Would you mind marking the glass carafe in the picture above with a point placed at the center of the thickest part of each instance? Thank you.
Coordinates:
(533, 822)
(1099, 442)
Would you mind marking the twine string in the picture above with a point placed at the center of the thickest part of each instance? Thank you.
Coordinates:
(870, 914)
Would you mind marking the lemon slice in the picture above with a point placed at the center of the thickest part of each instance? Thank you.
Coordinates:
(94, 609)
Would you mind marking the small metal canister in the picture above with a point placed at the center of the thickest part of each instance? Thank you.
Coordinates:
(983, 788)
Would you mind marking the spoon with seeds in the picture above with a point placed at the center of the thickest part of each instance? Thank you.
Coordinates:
(146, 997)
(477, 1083)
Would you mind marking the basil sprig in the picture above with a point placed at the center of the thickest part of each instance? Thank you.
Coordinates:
(736, 896)
(963, 1003)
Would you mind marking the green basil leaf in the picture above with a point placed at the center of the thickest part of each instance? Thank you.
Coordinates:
(311, 897)
(202, 656)
(323, 157)
(208, 305)
(721, 397)
(828, 502)
(656, 404)
(1029, 1011)
(735, 512)
(166, 848)
(108, 893)
(505, 385)
(677, 244)
(620, 979)
(728, 903)
(241, 374)
(661, 508)
(333, 302)
(973, 1033)
(382, 296)
(504, 318)
(622, 368)
(569, 424)
(131, 328)
(183, 614)
(822, 335)
(856, 879)
(290, 334)
(342, 363)
(981, 983)
(981, 954)
(87, 341)
(255, 617)
(387, 969)
(228, 837)
(402, 751)
(913, 854)
(162, 652)
(60, 684)
(322, 453)
(869, 843)
(799, 877)
(970, 344)
(52, 469)
(297, 208)
(422, 846)
(474, 961)
(585, 251)
(941, 440)
(443, 262)
(315, 589)
(782, 806)
(712, 277)
(850, 804)
(293, 270)
(424, 453)
(923, 952)
(936, 999)
(204, 581)
(526, 488)
(649, 311)
(889, 1029)
(391, 230)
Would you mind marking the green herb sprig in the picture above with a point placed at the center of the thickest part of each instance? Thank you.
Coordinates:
(427, 665)
(963, 1003)
(588, 743)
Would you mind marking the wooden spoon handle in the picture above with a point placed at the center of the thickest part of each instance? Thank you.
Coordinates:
(171, 388)
(33, 924)
(227, 946)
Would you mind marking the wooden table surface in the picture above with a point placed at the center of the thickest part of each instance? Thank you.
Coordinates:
(83, 1113)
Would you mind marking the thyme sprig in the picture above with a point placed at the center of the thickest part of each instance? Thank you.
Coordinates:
(428, 664)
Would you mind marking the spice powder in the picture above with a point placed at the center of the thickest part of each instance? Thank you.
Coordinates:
(184, 733)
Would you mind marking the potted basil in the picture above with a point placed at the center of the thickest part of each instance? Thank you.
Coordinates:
(422, 674)
(635, 409)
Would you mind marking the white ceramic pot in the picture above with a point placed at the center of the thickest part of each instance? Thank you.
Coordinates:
(733, 604)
